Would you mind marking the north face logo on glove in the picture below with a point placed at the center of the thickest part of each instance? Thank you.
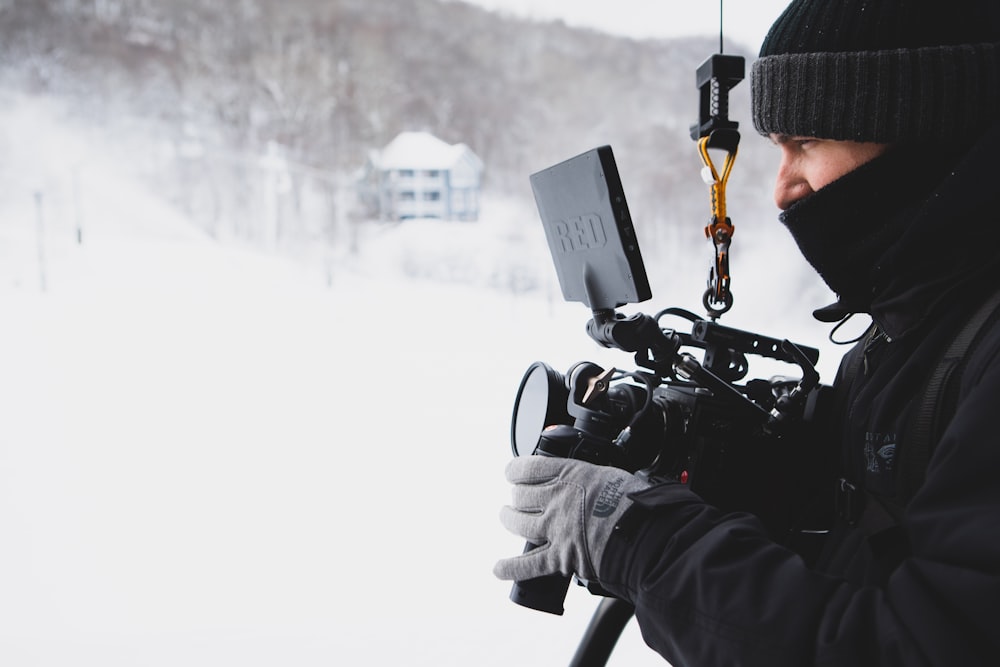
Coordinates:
(608, 499)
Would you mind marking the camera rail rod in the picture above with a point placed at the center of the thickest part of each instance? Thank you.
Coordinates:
(599, 639)
(658, 350)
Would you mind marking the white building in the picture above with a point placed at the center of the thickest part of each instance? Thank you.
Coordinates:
(419, 176)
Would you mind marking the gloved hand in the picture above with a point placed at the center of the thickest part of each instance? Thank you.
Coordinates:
(568, 508)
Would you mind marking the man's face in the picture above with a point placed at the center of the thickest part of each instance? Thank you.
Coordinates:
(808, 164)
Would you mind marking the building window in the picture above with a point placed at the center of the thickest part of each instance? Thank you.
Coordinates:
(406, 173)
(407, 195)
(432, 195)
(432, 173)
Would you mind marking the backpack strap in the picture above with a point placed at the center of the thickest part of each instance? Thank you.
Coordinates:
(881, 518)
(939, 399)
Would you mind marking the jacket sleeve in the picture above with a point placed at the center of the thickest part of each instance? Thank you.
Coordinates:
(712, 589)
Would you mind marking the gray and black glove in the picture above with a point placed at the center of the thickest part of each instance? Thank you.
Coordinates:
(567, 507)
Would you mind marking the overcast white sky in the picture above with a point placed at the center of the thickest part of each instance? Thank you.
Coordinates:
(744, 21)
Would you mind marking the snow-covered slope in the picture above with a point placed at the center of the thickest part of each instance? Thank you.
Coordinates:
(211, 456)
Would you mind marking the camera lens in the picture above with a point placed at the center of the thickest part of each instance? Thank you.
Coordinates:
(541, 402)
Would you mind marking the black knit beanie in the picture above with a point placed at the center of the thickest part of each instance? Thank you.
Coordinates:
(886, 71)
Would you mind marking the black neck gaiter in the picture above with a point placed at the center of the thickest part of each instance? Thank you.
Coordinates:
(846, 228)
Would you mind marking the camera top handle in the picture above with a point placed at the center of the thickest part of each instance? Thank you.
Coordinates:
(724, 360)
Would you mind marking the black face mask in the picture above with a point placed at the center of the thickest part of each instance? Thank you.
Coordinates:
(846, 229)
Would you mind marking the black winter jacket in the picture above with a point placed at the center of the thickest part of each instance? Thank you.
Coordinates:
(714, 589)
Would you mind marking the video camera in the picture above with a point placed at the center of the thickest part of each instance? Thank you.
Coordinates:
(675, 417)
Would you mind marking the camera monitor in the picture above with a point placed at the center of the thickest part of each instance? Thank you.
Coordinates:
(582, 206)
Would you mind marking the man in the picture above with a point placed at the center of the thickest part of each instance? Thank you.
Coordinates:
(887, 115)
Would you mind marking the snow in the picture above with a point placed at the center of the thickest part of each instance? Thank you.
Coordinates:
(420, 150)
(213, 456)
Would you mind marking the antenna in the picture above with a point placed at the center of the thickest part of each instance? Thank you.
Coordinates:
(721, 49)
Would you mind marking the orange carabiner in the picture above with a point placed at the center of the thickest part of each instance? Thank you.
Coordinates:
(718, 299)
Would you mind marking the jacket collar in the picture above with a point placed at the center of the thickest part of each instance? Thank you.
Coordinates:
(950, 243)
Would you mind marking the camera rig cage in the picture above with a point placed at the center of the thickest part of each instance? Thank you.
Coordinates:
(676, 417)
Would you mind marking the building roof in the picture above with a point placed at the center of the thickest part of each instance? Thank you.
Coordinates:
(420, 150)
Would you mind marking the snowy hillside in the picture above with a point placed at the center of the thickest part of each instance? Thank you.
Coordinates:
(211, 456)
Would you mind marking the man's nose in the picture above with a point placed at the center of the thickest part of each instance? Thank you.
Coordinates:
(789, 185)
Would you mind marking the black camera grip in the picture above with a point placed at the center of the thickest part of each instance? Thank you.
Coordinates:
(546, 593)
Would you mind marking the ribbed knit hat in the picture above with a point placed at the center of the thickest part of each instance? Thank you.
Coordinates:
(880, 70)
